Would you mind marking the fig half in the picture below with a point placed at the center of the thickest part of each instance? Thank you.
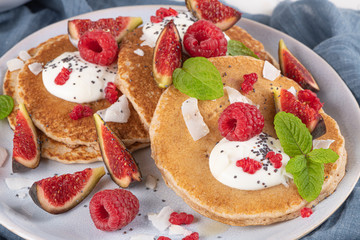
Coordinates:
(167, 55)
(26, 146)
(118, 160)
(292, 68)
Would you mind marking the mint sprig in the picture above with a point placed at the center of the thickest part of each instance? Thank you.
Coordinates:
(306, 165)
(236, 48)
(6, 106)
(198, 78)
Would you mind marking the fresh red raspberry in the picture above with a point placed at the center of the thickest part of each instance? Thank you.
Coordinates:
(155, 19)
(63, 76)
(162, 13)
(98, 47)
(249, 81)
(111, 210)
(310, 98)
(193, 236)
(306, 212)
(111, 93)
(79, 111)
(240, 122)
(181, 218)
(204, 39)
(163, 238)
(275, 159)
(249, 165)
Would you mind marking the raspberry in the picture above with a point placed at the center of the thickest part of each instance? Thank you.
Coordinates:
(162, 13)
(306, 212)
(193, 236)
(111, 210)
(79, 111)
(111, 94)
(275, 159)
(249, 165)
(240, 122)
(204, 39)
(249, 81)
(181, 218)
(98, 47)
(63, 76)
(163, 238)
(310, 98)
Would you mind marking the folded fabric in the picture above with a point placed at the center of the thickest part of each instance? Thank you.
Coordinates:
(331, 32)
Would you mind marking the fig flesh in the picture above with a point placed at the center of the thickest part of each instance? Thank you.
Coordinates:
(59, 194)
(118, 160)
(292, 68)
(224, 17)
(287, 102)
(167, 55)
(26, 146)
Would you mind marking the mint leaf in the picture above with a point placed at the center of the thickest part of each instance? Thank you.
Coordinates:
(294, 136)
(6, 106)
(323, 156)
(199, 78)
(296, 164)
(236, 48)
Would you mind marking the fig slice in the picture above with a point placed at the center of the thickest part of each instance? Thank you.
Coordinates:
(224, 17)
(118, 160)
(167, 55)
(26, 145)
(292, 68)
(118, 27)
(287, 102)
(59, 194)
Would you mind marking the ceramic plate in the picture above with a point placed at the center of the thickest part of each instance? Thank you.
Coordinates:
(23, 217)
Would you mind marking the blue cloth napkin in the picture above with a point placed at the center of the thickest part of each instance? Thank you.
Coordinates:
(331, 32)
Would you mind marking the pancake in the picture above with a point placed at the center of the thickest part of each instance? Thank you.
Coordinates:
(184, 163)
(51, 114)
(135, 79)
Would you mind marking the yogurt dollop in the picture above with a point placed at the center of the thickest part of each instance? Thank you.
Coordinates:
(224, 155)
(86, 83)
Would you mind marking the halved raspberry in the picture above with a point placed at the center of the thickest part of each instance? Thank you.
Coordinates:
(193, 236)
(306, 212)
(181, 218)
(309, 97)
(275, 159)
(98, 47)
(204, 39)
(79, 111)
(162, 13)
(249, 165)
(249, 81)
(163, 238)
(240, 122)
(111, 210)
(63, 76)
(111, 93)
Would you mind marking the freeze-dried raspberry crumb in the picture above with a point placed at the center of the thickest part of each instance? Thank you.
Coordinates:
(249, 81)
(63, 76)
(306, 212)
(163, 238)
(181, 218)
(162, 13)
(240, 122)
(98, 47)
(275, 159)
(249, 165)
(111, 210)
(204, 39)
(193, 236)
(79, 111)
(111, 93)
(310, 98)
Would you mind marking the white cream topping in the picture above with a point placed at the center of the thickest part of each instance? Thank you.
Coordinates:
(14, 64)
(118, 112)
(86, 83)
(226, 153)
(193, 119)
(270, 72)
(35, 68)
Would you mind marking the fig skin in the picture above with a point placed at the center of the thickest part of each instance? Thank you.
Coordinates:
(298, 72)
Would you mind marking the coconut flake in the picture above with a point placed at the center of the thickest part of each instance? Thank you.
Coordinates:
(3, 156)
(14, 64)
(24, 55)
(270, 72)
(35, 68)
(178, 230)
(118, 112)
(325, 144)
(193, 119)
(139, 52)
(151, 182)
(18, 183)
(22, 195)
(293, 91)
(142, 237)
(161, 220)
(236, 96)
